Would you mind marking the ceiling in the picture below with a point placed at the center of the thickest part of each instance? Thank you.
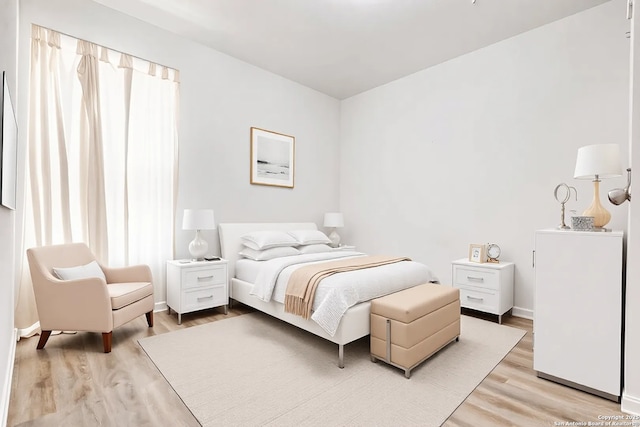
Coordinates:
(344, 47)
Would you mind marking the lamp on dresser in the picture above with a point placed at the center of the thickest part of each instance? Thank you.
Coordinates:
(334, 220)
(596, 162)
(198, 219)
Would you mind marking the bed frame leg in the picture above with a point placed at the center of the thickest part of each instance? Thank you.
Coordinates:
(341, 356)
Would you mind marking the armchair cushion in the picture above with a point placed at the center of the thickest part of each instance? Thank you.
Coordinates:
(80, 272)
(123, 294)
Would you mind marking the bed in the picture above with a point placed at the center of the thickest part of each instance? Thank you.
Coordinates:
(354, 323)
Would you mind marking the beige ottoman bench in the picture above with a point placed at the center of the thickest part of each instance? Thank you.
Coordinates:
(409, 326)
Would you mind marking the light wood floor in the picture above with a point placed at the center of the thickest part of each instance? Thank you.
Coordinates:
(72, 383)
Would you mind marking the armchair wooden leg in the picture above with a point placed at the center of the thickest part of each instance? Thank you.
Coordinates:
(44, 336)
(150, 318)
(106, 340)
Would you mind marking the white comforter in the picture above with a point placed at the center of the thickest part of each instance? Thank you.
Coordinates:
(338, 292)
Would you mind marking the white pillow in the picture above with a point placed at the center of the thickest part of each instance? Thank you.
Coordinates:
(268, 239)
(267, 254)
(309, 237)
(80, 272)
(314, 249)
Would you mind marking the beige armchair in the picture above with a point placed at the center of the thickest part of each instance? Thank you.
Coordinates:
(89, 304)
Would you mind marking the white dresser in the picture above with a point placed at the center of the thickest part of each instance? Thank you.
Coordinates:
(196, 285)
(578, 309)
(486, 287)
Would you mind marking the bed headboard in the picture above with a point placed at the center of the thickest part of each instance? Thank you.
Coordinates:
(230, 234)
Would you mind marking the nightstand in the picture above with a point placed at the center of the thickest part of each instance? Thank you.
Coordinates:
(196, 285)
(486, 287)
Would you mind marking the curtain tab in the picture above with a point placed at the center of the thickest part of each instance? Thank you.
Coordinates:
(53, 38)
(104, 54)
(126, 61)
(165, 73)
(87, 48)
(176, 76)
(36, 32)
(152, 69)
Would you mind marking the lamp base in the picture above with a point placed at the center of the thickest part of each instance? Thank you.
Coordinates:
(335, 238)
(198, 247)
(601, 216)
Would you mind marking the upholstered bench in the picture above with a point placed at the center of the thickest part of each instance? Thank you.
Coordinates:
(409, 326)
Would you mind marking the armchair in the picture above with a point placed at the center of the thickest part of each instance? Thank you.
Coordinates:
(88, 304)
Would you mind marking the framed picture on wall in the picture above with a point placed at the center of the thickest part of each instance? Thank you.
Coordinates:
(477, 253)
(272, 158)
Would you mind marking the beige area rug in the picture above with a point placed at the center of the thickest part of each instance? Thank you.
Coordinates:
(257, 370)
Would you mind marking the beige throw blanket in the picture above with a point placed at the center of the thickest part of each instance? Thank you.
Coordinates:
(301, 289)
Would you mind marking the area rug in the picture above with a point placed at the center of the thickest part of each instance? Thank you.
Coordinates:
(257, 370)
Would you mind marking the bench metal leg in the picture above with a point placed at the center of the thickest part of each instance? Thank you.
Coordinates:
(388, 340)
(341, 356)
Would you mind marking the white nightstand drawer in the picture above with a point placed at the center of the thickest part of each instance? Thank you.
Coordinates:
(481, 278)
(486, 301)
(205, 276)
(205, 298)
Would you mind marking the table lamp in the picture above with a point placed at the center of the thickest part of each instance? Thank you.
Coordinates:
(596, 162)
(334, 220)
(198, 219)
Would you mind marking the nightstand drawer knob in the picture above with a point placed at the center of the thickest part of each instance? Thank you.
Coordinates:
(205, 278)
(475, 298)
(204, 298)
(477, 279)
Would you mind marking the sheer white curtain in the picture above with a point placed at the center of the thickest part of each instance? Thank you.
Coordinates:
(102, 156)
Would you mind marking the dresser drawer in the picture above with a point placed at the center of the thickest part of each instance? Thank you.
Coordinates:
(477, 277)
(204, 298)
(477, 299)
(205, 276)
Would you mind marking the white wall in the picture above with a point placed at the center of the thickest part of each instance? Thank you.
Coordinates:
(631, 394)
(470, 151)
(8, 63)
(221, 98)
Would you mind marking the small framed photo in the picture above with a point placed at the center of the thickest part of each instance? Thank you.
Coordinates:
(272, 158)
(477, 253)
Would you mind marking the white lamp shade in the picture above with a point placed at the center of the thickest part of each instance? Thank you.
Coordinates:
(198, 219)
(333, 219)
(598, 159)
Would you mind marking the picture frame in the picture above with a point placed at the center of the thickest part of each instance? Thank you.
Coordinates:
(477, 253)
(272, 158)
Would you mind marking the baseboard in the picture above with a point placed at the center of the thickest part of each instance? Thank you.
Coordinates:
(522, 312)
(6, 389)
(160, 306)
(28, 332)
(630, 404)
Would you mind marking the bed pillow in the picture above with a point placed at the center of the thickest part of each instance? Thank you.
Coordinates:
(267, 254)
(309, 237)
(314, 249)
(268, 239)
(80, 272)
